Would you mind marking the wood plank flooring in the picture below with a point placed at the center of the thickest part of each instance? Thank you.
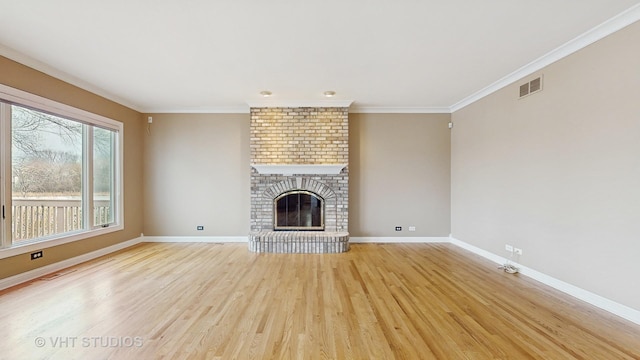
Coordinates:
(378, 301)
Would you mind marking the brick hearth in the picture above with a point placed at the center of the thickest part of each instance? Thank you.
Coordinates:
(299, 242)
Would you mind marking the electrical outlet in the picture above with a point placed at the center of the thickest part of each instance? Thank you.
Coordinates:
(200, 227)
(412, 228)
(398, 228)
(36, 255)
(517, 251)
(509, 248)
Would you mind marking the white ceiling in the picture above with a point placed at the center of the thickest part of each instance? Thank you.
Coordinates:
(214, 56)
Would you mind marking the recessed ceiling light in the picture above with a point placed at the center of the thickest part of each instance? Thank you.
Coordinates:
(329, 93)
(266, 93)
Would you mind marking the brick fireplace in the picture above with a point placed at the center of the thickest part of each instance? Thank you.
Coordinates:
(299, 150)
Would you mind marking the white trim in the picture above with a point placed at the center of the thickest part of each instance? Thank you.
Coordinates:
(196, 239)
(353, 109)
(61, 75)
(299, 169)
(608, 27)
(5, 173)
(40, 103)
(399, 110)
(476, 250)
(242, 239)
(601, 31)
(51, 268)
(611, 306)
(60, 239)
(204, 110)
(294, 104)
(397, 240)
(23, 98)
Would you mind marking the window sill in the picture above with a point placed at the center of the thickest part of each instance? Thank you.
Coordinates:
(25, 248)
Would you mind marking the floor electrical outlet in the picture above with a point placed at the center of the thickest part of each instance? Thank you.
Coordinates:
(508, 267)
(36, 255)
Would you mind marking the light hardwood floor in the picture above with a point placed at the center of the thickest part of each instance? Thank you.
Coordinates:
(219, 301)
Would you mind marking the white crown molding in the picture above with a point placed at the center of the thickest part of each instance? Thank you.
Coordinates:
(205, 110)
(607, 28)
(61, 75)
(299, 169)
(353, 109)
(399, 110)
(270, 103)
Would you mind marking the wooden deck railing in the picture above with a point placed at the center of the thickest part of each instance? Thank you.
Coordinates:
(33, 218)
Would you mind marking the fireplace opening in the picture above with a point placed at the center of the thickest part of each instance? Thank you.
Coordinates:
(298, 210)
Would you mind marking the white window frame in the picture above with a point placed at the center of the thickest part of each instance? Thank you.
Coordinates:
(18, 97)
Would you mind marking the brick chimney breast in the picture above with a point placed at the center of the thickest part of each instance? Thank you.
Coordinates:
(309, 140)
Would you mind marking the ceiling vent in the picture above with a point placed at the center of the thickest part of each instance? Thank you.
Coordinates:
(531, 87)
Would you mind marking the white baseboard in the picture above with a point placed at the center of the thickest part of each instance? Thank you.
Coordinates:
(611, 306)
(51, 268)
(476, 250)
(242, 239)
(385, 239)
(196, 239)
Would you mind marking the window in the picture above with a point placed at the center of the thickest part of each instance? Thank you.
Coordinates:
(46, 173)
(61, 173)
(103, 176)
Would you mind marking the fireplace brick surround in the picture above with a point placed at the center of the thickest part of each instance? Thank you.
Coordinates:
(304, 140)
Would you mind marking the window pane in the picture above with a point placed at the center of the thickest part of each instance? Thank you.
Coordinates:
(46, 166)
(103, 176)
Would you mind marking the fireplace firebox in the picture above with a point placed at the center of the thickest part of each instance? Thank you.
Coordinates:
(298, 210)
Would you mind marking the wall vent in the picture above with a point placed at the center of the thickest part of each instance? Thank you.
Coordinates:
(531, 87)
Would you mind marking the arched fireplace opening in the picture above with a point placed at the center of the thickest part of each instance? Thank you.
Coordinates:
(298, 210)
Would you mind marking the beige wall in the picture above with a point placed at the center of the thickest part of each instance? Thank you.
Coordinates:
(399, 174)
(557, 173)
(196, 172)
(21, 77)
